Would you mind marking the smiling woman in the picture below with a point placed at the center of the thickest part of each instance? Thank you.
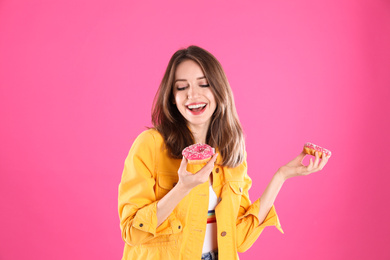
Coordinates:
(194, 98)
(166, 211)
(194, 78)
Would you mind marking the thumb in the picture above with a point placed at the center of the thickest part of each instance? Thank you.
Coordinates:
(300, 157)
(183, 163)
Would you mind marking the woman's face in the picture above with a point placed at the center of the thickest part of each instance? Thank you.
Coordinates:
(193, 96)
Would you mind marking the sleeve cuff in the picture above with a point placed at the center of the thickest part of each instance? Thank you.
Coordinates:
(146, 220)
(271, 219)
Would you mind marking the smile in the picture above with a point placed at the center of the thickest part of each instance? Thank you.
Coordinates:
(197, 109)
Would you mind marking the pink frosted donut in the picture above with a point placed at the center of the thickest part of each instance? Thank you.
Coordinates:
(198, 153)
(310, 148)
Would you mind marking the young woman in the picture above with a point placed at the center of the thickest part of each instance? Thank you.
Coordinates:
(168, 212)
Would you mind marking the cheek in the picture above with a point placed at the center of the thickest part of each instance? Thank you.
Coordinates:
(175, 96)
(211, 98)
(178, 98)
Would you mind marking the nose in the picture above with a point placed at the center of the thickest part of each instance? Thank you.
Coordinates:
(193, 92)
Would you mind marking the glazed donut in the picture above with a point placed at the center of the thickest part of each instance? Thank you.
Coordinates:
(310, 148)
(198, 153)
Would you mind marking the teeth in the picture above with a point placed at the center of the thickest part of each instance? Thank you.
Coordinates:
(196, 106)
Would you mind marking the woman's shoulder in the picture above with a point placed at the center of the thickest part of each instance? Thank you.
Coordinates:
(148, 138)
(150, 134)
(147, 142)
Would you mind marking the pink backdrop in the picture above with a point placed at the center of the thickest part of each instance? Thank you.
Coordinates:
(77, 83)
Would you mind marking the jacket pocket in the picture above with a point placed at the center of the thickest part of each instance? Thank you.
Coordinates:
(162, 241)
(165, 182)
(236, 189)
(163, 250)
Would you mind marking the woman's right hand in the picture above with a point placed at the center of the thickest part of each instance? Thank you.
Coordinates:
(297, 168)
(188, 180)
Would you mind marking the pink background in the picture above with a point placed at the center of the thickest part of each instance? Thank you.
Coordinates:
(77, 83)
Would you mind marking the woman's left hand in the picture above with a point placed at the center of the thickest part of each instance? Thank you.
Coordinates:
(297, 168)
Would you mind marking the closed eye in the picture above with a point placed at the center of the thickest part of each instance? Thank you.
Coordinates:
(181, 88)
(204, 85)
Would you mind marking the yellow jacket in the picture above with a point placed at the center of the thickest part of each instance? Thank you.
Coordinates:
(149, 173)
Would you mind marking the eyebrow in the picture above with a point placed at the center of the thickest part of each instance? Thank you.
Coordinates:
(203, 77)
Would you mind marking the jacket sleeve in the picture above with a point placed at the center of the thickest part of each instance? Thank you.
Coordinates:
(248, 226)
(137, 203)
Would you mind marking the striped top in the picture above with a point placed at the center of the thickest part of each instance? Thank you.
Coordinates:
(210, 240)
(211, 216)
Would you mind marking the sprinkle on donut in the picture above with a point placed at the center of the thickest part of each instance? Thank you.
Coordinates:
(310, 148)
(198, 153)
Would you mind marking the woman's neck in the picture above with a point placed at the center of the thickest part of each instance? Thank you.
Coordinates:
(199, 133)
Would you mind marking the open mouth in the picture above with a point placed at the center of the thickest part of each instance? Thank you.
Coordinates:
(197, 108)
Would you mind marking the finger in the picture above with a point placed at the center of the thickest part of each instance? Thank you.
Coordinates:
(183, 164)
(209, 166)
(297, 160)
(300, 157)
(214, 158)
(324, 161)
(325, 156)
(310, 166)
(316, 160)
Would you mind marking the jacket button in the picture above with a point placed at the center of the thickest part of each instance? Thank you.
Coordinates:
(223, 233)
(179, 227)
(141, 225)
(217, 170)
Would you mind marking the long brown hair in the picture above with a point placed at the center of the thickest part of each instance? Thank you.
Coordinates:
(225, 131)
